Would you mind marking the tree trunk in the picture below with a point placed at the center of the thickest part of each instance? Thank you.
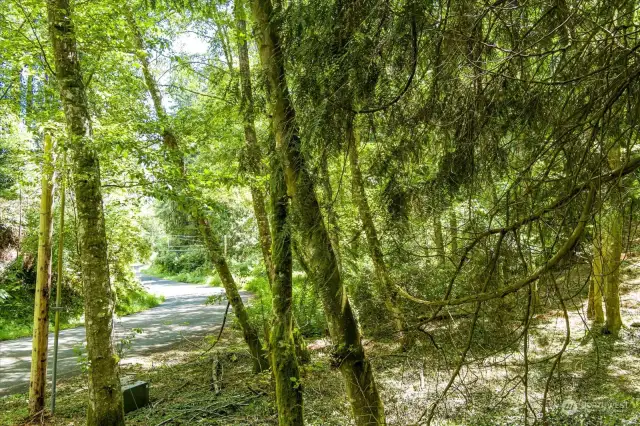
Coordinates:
(613, 249)
(43, 285)
(438, 239)
(105, 396)
(168, 137)
(282, 345)
(348, 353)
(453, 225)
(249, 332)
(596, 286)
(212, 243)
(606, 258)
(332, 217)
(252, 160)
(536, 304)
(386, 288)
(253, 163)
(264, 235)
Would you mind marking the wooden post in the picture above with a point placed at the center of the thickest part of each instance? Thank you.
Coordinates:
(43, 285)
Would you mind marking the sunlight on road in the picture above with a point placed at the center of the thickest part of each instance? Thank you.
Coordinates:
(183, 313)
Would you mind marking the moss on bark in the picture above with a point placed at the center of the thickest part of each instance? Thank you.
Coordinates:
(105, 397)
(361, 388)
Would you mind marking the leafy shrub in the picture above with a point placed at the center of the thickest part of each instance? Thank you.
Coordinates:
(17, 289)
(192, 260)
(133, 298)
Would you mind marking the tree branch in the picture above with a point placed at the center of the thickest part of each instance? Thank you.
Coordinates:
(484, 296)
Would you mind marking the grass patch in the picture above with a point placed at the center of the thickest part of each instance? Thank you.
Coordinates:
(196, 277)
(136, 300)
(10, 330)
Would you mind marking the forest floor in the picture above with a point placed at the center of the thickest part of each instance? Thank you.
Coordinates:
(597, 381)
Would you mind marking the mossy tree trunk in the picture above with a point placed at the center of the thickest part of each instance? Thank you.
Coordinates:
(253, 162)
(212, 242)
(386, 288)
(282, 345)
(613, 223)
(596, 286)
(169, 139)
(349, 353)
(605, 272)
(252, 155)
(40, 340)
(438, 239)
(250, 334)
(332, 216)
(105, 396)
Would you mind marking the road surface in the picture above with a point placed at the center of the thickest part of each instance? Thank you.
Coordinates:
(183, 313)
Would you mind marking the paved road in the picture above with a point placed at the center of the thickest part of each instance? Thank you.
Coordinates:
(183, 313)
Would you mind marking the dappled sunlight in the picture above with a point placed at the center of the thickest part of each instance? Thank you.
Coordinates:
(433, 205)
(411, 385)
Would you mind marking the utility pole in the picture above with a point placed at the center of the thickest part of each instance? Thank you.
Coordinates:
(43, 284)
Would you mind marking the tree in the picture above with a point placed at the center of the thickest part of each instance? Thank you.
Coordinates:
(253, 155)
(105, 397)
(614, 228)
(596, 286)
(606, 258)
(386, 287)
(348, 350)
(332, 216)
(277, 254)
(252, 163)
(211, 240)
(282, 345)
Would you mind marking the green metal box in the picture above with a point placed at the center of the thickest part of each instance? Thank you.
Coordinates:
(135, 395)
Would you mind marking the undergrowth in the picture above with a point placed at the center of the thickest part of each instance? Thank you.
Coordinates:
(182, 391)
(131, 299)
(193, 277)
(307, 309)
(136, 300)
